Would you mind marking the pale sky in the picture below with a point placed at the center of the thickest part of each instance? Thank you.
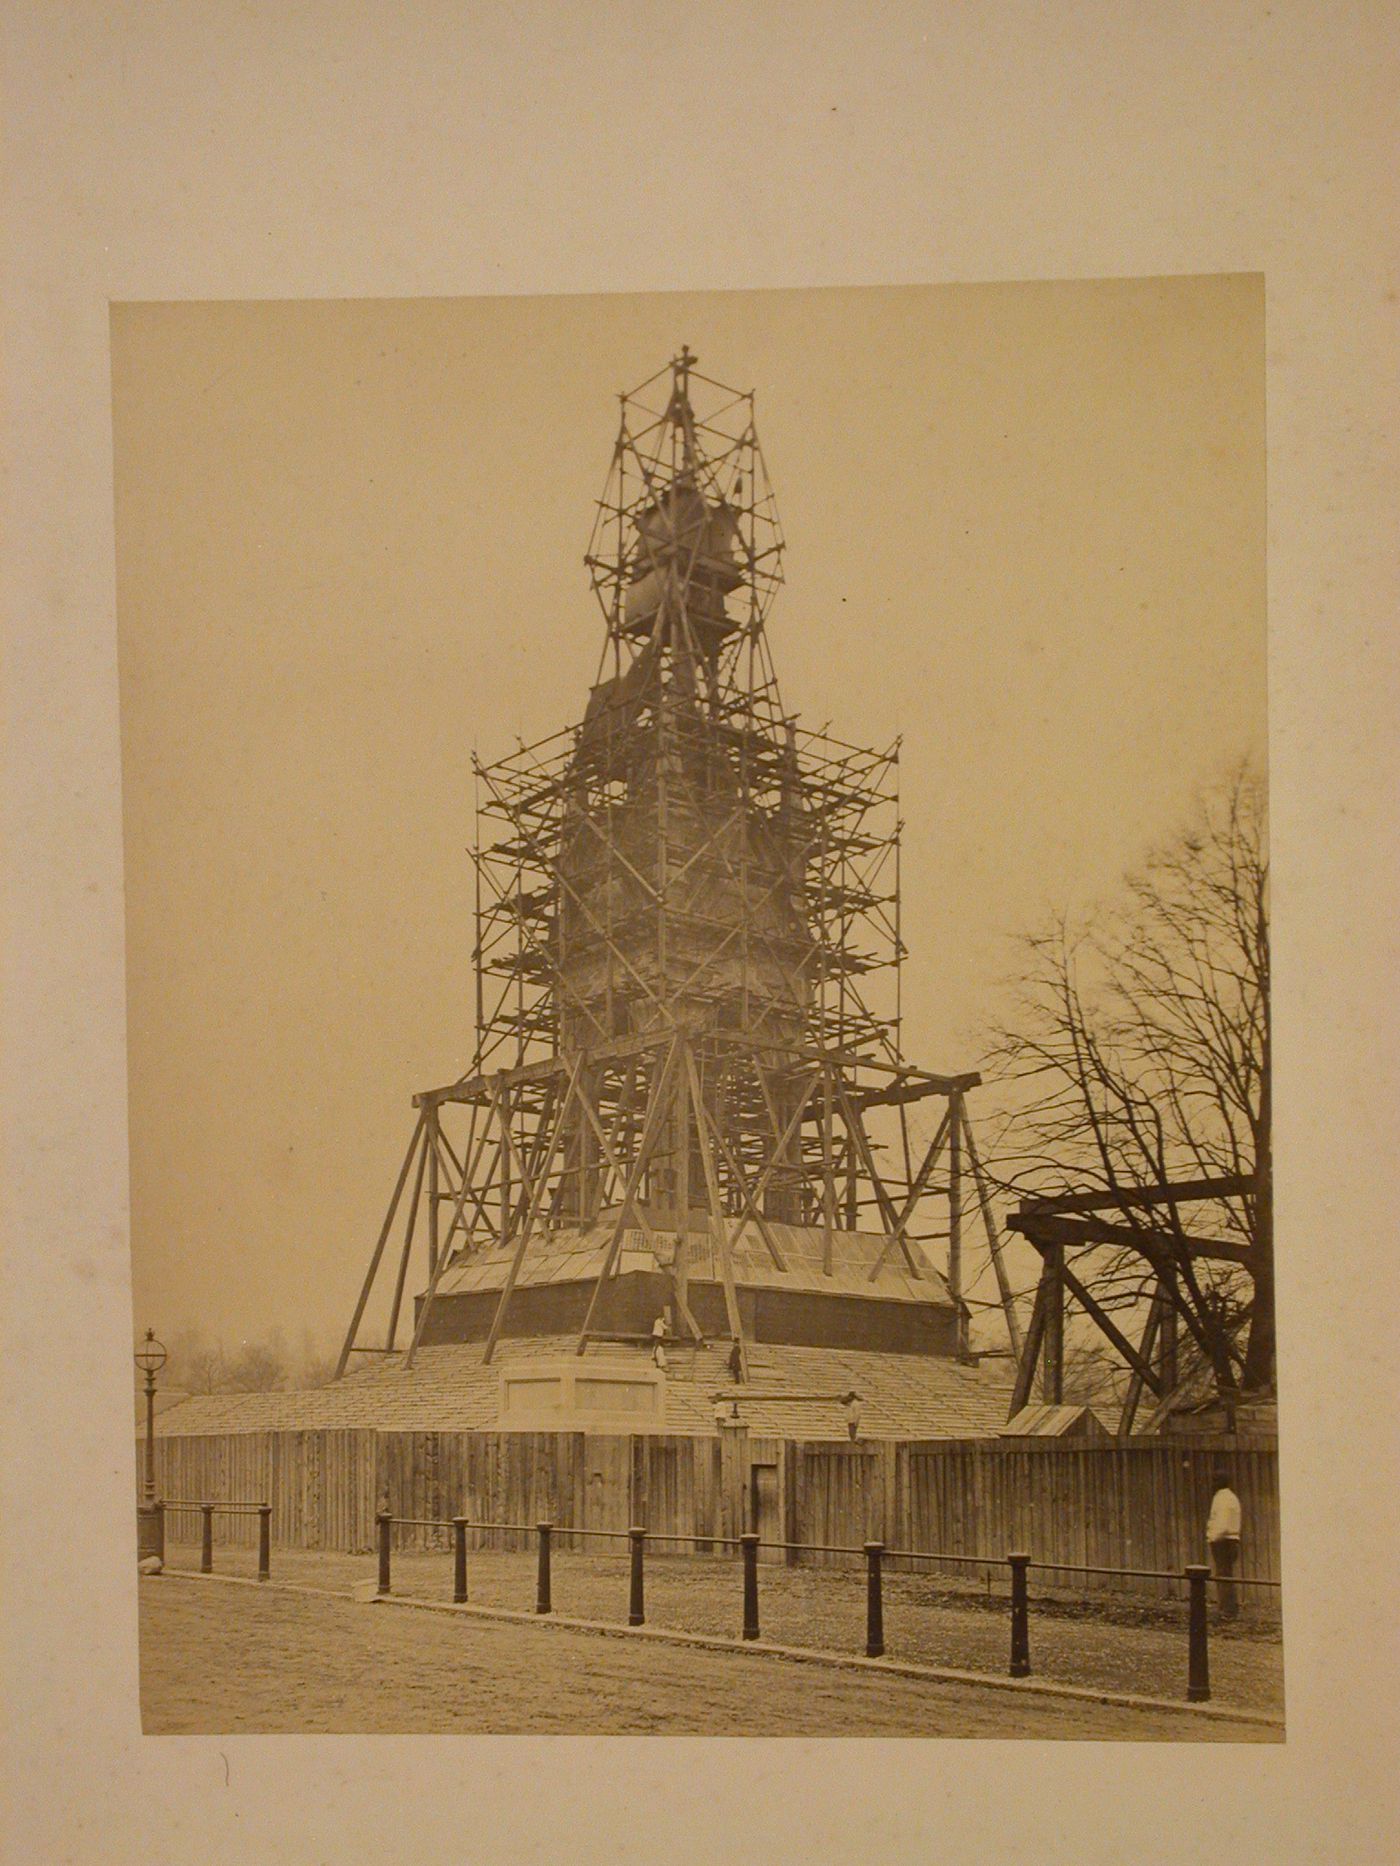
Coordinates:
(1025, 529)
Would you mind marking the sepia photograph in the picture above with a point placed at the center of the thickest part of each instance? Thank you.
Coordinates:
(698, 947)
(699, 1012)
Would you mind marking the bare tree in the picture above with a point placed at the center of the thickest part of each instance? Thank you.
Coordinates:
(205, 1370)
(1138, 1054)
(260, 1367)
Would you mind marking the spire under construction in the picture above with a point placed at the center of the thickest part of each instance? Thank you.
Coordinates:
(688, 1099)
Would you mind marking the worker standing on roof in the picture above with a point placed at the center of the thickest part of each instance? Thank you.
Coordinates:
(850, 1403)
(658, 1341)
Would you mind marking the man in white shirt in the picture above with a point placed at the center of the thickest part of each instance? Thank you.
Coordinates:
(1223, 1538)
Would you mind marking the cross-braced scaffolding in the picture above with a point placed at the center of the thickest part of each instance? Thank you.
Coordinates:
(688, 939)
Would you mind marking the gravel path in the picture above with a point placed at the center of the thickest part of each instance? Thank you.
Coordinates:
(819, 1608)
(224, 1660)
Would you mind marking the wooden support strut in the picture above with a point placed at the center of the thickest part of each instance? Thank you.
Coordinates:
(650, 1129)
(533, 1211)
(1133, 1397)
(717, 1221)
(1095, 1311)
(391, 1333)
(378, 1252)
(1030, 1353)
(644, 1223)
(916, 1191)
(1053, 1352)
(1008, 1302)
(855, 1128)
(828, 1177)
(764, 1229)
(955, 1128)
(776, 1158)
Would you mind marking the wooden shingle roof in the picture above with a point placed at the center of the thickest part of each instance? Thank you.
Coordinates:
(795, 1389)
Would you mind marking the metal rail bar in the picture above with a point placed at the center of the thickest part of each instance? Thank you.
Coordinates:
(820, 1548)
(221, 1509)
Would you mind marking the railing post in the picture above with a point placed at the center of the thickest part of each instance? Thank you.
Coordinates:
(636, 1606)
(1198, 1646)
(748, 1545)
(542, 1600)
(459, 1559)
(385, 1522)
(264, 1541)
(206, 1539)
(1020, 1617)
(874, 1604)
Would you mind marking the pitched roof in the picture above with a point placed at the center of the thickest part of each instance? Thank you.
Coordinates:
(1053, 1422)
(791, 1392)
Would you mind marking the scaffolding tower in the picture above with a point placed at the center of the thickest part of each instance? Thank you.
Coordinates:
(688, 940)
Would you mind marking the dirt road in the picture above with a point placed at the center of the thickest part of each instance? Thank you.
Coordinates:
(219, 1659)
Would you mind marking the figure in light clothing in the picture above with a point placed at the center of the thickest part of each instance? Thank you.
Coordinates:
(850, 1405)
(1223, 1537)
(658, 1341)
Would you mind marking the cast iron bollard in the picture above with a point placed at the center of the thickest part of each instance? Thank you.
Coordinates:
(159, 1507)
(385, 1522)
(636, 1608)
(1198, 1660)
(206, 1539)
(542, 1602)
(264, 1541)
(1020, 1617)
(874, 1604)
(748, 1545)
(459, 1559)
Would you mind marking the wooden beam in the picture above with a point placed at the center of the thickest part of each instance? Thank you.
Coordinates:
(899, 1095)
(916, 1191)
(855, 1128)
(828, 1178)
(533, 1211)
(650, 1129)
(955, 1123)
(1097, 1313)
(1149, 1339)
(989, 1224)
(1152, 1242)
(776, 1158)
(1050, 1235)
(717, 1222)
(378, 1252)
(1123, 1198)
(391, 1333)
(431, 1152)
(764, 1229)
(1053, 1349)
(1030, 1354)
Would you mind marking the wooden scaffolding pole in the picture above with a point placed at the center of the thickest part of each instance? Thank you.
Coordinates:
(994, 1244)
(383, 1239)
(719, 1229)
(536, 1199)
(915, 1193)
(651, 1128)
(955, 1127)
(391, 1333)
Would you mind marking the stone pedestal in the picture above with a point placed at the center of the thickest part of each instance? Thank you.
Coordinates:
(150, 1531)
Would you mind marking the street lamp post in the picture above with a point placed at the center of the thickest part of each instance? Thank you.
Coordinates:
(150, 1515)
